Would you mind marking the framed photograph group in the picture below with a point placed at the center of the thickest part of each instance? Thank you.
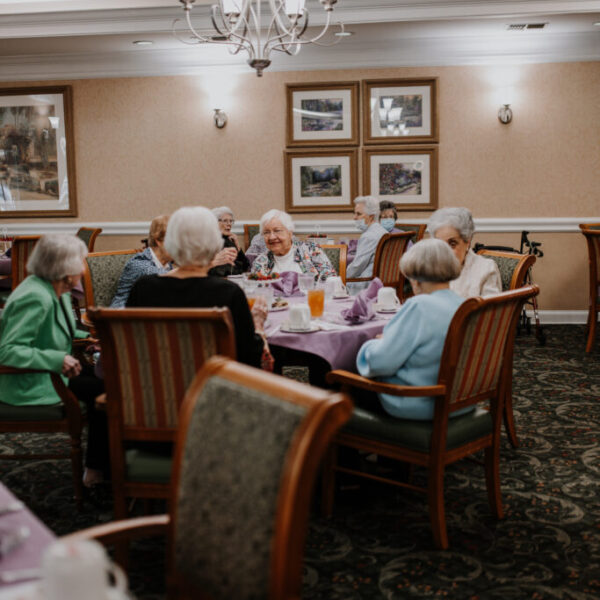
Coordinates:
(320, 180)
(322, 114)
(37, 163)
(404, 175)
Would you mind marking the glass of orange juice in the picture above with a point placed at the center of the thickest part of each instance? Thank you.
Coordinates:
(316, 300)
(251, 301)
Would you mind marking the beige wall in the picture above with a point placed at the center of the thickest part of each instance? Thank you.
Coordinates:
(145, 146)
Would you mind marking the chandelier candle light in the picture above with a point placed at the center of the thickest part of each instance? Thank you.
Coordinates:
(238, 24)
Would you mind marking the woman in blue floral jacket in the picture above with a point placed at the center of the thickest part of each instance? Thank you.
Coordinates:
(286, 254)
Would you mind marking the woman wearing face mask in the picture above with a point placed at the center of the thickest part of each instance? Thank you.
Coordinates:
(366, 215)
(388, 216)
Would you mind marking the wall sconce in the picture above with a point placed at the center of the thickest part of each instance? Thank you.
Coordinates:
(220, 118)
(505, 114)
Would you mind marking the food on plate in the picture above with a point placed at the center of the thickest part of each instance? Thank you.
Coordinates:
(279, 303)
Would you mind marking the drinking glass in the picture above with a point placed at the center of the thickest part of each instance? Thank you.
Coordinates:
(305, 281)
(316, 299)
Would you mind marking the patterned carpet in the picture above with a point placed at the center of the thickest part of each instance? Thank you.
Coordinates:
(378, 543)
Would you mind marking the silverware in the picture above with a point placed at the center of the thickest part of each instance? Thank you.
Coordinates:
(11, 507)
(17, 575)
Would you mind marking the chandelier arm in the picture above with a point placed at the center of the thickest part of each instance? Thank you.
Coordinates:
(243, 43)
(258, 51)
(197, 35)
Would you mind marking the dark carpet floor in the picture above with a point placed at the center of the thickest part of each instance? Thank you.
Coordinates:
(378, 543)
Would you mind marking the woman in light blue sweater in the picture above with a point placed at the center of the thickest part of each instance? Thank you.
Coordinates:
(410, 349)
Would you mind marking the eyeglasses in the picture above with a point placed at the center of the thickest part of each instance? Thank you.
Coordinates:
(227, 221)
(276, 232)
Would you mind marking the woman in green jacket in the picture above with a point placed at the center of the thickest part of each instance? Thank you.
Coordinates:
(36, 332)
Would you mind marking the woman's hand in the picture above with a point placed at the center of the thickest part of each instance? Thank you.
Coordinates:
(260, 311)
(226, 256)
(234, 239)
(71, 366)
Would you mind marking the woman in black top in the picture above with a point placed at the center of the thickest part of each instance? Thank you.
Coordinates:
(238, 262)
(193, 239)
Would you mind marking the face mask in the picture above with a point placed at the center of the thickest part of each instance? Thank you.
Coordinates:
(360, 224)
(387, 224)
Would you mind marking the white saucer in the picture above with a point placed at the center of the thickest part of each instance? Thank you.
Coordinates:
(287, 329)
(385, 309)
(344, 297)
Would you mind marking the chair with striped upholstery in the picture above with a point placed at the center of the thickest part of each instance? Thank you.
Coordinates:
(149, 358)
(591, 231)
(88, 236)
(386, 264)
(479, 339)
(337, 255)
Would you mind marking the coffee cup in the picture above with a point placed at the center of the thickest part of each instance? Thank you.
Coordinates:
(80, 569)
(336, 287)
(299, 316)
(386, 298)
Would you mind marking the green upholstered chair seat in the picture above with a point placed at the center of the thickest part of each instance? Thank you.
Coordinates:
(416, 435)
(46, 412)
(151, 466)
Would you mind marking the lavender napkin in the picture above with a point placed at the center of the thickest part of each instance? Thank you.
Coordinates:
(362, 308)
(287, 284)
(374, 287)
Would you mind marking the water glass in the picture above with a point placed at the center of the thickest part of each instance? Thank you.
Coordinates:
(305, 281)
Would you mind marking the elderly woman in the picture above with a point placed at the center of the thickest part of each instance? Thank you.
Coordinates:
(410, 349)
(154, 259)
(366, 219)
(479, 276)
(286, 254)
(238, 262)
(37, 329)
(193, 239)
(388, 216)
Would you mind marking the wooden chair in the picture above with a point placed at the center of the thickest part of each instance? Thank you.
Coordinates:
(248, 447)
(21, 250)
(591, 231)
(337, 255)
(417, 229)
(386, 264)
(88, 236)
(149, 358)
(62, 418)
(479, 339)
(514, 269)
(250, 230)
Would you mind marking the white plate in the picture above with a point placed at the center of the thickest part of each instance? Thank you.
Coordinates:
(287, 329)
(385, 309)
(345, 297)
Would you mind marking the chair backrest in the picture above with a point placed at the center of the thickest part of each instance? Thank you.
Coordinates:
(101, 275)
(88, 236)
(21, 249)
(417, 229)
(149, 358)
(591, 231)
(479, 339)
(513, 266)
(250, 230)
(386, 265)
(247, 452)
(337, 255)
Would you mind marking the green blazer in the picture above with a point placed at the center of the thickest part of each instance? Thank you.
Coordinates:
(35, 333)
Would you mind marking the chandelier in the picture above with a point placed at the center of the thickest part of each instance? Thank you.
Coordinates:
(238, 24)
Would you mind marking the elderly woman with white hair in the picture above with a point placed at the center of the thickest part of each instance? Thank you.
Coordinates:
(237, 261)
(366, 219)
(193, 239)
(410, 348)
(479, 276)
(287, 254)
(37, 329)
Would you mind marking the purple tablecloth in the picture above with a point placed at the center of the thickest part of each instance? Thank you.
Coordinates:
(338, 347)
(29, 553)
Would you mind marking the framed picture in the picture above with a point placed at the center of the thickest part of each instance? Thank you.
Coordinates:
(322, 113)
(400, 111)
(403, 175)
(320, 180)
(37, 162)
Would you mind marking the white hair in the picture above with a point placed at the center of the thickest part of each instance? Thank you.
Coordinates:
(371, 204)
(459, 218)
(222, 210)
(57, 255)
(285, 219)
(430, 260)
(193, 236)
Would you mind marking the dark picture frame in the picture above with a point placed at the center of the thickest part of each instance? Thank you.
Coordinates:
(37, 154)
(407, 176)
(320, 180)
(326, 114)
(400, 111)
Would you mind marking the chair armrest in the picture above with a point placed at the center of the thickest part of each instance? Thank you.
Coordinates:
(352, 379)
(354, 279)
(126, 529)
(79, 342)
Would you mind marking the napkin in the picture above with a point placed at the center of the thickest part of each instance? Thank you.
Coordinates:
(362, 309)
(287, 284)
